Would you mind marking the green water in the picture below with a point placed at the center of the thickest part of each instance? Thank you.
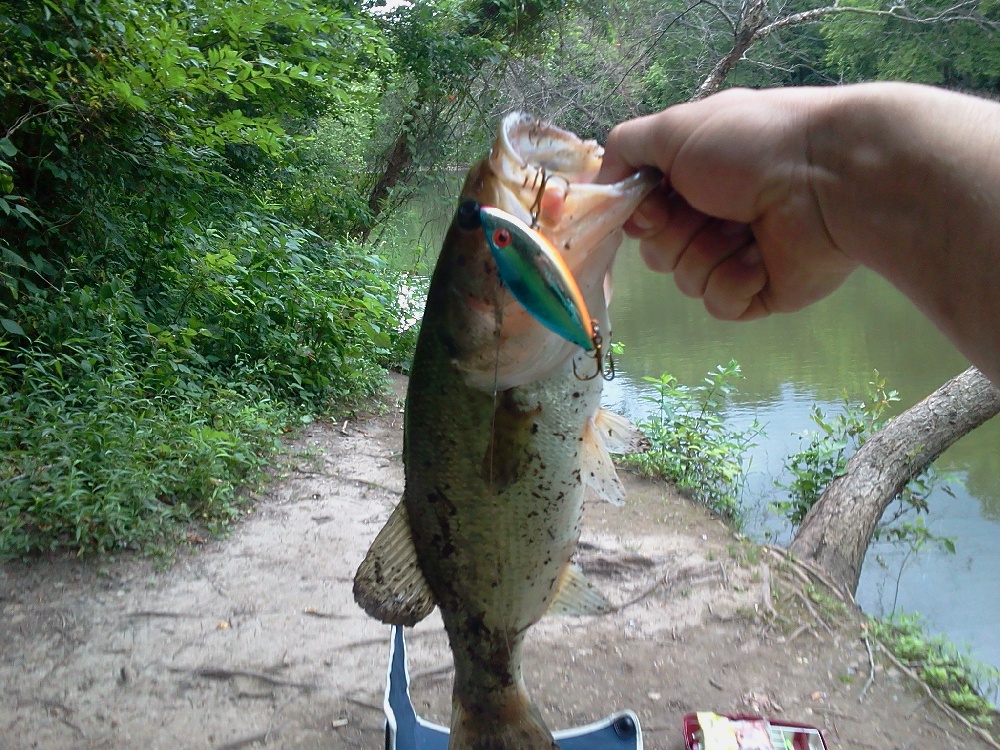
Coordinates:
(792, 362)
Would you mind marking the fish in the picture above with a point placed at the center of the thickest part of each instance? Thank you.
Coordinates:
(503, 433)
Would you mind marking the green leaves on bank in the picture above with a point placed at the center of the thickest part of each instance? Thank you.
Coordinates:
(166, 309)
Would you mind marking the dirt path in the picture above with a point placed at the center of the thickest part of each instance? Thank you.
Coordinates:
(255, 640)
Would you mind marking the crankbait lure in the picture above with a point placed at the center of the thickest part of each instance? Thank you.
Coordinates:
(535, 273)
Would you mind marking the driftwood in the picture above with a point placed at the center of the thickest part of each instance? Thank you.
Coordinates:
(836, 532)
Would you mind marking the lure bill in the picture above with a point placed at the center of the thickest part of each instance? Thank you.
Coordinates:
(534, 272)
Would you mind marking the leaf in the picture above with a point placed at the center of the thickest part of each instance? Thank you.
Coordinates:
(7, 148)
(12, 327)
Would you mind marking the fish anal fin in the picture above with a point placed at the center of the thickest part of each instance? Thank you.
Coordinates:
(598, 470)
(618, 434)
(389, 584)
(576, 596)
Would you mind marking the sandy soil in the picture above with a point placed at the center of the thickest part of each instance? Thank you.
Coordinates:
(255, 640)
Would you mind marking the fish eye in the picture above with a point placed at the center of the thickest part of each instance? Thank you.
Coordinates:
(501, 237)
(467, 216)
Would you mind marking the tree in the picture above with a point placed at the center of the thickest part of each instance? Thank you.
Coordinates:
(837, 530)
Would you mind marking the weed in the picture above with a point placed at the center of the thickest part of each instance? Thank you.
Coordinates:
(691, 444)
(953, 675)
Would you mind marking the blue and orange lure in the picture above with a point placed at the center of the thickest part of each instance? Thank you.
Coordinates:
(536, 275)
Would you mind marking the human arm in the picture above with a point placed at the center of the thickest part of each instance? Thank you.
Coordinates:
(773, 197)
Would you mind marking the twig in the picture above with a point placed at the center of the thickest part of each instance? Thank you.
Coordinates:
(384, 640)
(364, 704)
(221, 673)
(424, 674)
(160, 613)
(799, 631)
(250, 739)
(687, 575)
(871, 671)
(833, 712)
(765, 586)
(312, 612)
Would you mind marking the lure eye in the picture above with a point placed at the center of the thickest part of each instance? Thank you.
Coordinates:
(501, 237)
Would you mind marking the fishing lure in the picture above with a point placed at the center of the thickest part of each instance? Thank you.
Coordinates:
(535, 273)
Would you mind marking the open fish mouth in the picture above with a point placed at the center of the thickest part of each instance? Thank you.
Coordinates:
(543, 176)
(546, 179)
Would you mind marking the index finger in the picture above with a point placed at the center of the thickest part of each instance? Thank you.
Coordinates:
(649, 141)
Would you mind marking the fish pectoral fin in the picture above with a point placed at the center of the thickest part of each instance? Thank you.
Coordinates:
(389, 584)
(618, 434)
(576, 596)
(598, 469)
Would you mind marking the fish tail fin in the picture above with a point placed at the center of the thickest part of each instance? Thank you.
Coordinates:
(512, 723)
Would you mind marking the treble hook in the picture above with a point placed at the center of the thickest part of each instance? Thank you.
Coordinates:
(598, 342)
(536, 207)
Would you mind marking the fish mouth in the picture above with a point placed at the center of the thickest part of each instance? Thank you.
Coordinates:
(544, 176)
(547, 180)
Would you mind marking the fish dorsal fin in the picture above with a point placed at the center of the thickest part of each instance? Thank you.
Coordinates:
(389, 585)
(618, 434)
(576, 596)
(598, 469)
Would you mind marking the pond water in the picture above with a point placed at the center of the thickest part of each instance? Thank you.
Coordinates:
(792, 363)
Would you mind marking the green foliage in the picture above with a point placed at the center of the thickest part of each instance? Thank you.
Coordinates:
(959, 49)
(114, 428)
(161, 322)
(953, 675)
(824, 455)
(692, 446)
(99, 463)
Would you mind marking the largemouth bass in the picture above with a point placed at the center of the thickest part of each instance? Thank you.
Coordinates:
(503, 433)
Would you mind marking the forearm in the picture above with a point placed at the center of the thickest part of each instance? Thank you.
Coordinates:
(907, 179)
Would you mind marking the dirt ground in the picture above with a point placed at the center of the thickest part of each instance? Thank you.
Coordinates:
(255, 640)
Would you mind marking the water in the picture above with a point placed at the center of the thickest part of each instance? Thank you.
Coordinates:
(815, 357)
(792, 362)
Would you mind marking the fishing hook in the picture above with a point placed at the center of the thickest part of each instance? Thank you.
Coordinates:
(598, 341)
(536, 207)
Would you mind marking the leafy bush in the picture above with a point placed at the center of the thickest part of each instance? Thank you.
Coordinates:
(691, 444)
(162, 322)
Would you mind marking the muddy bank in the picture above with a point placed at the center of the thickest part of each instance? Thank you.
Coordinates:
(255, 641)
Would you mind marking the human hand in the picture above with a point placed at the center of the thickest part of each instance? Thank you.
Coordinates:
(737, 219)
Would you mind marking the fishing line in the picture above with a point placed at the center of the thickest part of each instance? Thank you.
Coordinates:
(498, 303)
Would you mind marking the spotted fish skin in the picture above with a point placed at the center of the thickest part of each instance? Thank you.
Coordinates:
(501, 438)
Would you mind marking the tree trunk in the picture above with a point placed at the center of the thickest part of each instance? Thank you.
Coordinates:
(837, 530)
(397, 164)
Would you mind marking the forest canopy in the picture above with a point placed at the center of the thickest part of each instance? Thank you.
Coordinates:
(190, 192)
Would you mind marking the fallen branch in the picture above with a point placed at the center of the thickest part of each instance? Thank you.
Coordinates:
(222, 673)
(250, 739)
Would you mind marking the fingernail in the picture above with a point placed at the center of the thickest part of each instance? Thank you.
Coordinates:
(640, 221)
